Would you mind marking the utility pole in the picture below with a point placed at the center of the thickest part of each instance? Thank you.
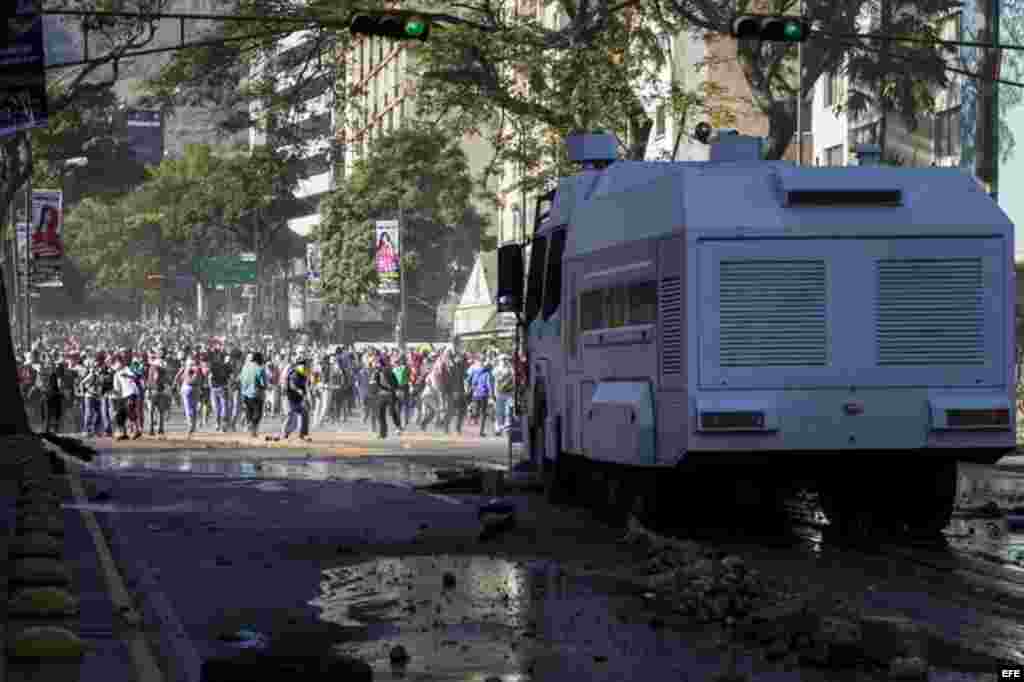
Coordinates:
(800, 98)
(28, 248)
(400, 327)
(13, 299)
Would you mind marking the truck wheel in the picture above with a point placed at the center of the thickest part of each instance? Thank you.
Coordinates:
(555, 479)
(927, 510)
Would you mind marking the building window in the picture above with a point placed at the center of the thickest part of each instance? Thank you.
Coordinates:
(947, 132)
(830, 89)
(659, 121)
(834, 156)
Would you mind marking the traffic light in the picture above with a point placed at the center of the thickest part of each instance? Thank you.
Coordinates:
(775, 28)
(395, 24)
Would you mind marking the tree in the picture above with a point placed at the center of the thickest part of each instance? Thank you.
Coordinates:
(429, 177)
(525, 87)
(879, 79)
(234, 75)
(112, 38)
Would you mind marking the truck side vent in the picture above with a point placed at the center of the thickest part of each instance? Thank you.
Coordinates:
(930, 312)
(671, 303)
(772, 313)
(844, 197)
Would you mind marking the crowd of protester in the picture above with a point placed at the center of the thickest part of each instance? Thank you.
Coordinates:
(112, 378)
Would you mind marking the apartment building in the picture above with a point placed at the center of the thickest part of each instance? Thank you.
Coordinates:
(937, 139)
(379, 72)
(314, 119)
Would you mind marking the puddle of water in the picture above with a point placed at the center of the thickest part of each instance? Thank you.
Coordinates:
(524, 621)
(1001, 538)
(512, 620)
(385, 470)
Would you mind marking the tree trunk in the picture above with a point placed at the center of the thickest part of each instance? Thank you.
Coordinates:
(782, 118)
(883, 101)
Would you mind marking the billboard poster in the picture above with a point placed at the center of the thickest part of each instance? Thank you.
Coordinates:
(386, 255)
(46, 242)
(145, 135)
(22, 76)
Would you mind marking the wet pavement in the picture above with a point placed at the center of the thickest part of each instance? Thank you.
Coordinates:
(321, 553)
(399, 470)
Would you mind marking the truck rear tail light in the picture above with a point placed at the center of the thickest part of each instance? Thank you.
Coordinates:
(732, 421)
(998, 418)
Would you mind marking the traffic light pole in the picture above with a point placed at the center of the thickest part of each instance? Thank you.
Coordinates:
(28, 250)
(400, 340)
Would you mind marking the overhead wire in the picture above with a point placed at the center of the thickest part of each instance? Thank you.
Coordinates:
(912, 60)
(912, 39)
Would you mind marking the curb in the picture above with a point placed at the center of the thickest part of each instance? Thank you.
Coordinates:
(143, 661)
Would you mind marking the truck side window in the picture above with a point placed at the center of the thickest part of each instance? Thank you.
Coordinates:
(553, 283)
(535, 281)
(617, 303)
(643, 303)
(592, 310)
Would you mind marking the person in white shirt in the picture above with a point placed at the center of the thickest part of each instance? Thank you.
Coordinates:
(126, 390)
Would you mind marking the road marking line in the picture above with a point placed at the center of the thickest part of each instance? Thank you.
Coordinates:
(146, 668)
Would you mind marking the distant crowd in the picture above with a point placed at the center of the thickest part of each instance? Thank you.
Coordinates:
(113, 378)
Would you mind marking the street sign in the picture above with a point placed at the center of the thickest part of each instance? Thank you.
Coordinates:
(228, 270)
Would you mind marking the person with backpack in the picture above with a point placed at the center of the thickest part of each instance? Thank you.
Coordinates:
(504, 392)
(92, 391)
(126, 392)
(296, 391)
(108, 399)
(455, 392)
(53, 402)
(220, 374)
(328, 389)
(253, 381)
(158, 394)
(237, 360)
(190, 378)
(386, 385)
(432, 397)
(402, 396)
(483, 389)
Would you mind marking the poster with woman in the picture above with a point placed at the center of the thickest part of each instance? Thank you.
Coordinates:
(47, 242)
(387, 253)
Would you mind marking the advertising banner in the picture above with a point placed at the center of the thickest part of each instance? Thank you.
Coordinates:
(145, 136)
(387, 255)
(22, 75)
(47, 243)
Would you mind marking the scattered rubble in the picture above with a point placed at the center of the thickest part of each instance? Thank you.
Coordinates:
(398, 655)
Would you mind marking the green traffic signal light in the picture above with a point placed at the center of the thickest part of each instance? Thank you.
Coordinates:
(771, 28)
(395, 24)
(415, 28)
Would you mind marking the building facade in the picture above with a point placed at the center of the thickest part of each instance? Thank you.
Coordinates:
(382, 85)
(314, 118)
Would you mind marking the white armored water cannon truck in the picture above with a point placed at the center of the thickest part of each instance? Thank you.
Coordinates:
(767, 325)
